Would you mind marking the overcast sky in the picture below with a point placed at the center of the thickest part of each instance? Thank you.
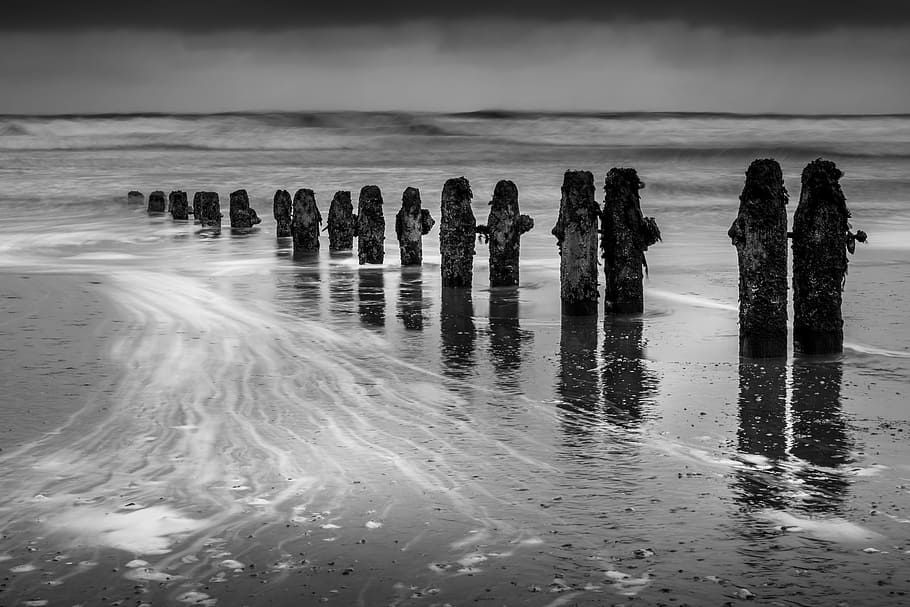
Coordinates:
(693, 55)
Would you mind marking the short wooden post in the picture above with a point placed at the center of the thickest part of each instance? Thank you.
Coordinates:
(178, 205)
(342, 223)
(157, 202)
(503, 231)
(306, 223)
(197, 207)
(821, 238)
(135, 197)
(576, 236)
(242, 216)
(281, 210)
(370, 226)
(411, 223)
(457, 232)
(626, 235)
(210, 210)
(759, 234)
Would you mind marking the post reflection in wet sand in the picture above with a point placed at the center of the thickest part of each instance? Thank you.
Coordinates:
(341, 287)
(458, 333)
(371, 297)
(577, 382)
(627, 381)
(507, 339)
(301, 294)
(794, 446)
(411, 308)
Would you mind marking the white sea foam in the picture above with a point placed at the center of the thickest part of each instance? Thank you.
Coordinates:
(831, 529)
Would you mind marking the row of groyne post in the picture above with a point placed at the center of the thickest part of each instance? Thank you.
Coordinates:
(615, 235)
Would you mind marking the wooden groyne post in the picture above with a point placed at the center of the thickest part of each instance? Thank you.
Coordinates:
(576, 236)
(411, 223)
(209, 210)
(370, 226)
(197, 207)
(157, 202)
(242, 216)
(457, 232)
(281, 210)
(821, 238)
(306, 222)
(503, 231)
(178, 205)
(759, 234)
(135, 197)
(625, 236)
(342, 222)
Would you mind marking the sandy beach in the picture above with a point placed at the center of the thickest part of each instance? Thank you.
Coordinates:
(199, 419)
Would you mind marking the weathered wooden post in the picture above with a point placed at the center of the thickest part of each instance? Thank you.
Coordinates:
(370, 226)
(576, 236)
(821, 237)
(197, 207)
(306, 222)
(411, 223)
(178, 205)
(457, 232)
(157, 202)
(281, 209)
(242, 216)
(503, 231)
(209, 210)
(342, 223)
(135, 197)
(759, 234)
(625, 236)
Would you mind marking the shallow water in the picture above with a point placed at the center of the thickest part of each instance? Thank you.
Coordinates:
(225, 424)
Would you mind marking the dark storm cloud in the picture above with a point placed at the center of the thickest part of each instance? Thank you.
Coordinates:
(216, 15)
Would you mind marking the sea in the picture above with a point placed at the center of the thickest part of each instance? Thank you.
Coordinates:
(201, 418)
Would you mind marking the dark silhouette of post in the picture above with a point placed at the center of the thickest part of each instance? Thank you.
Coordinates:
(371, 297)
(458, 333)
(411, 306)
(306, 222)
(135, 197)
(628, 383)
(503, 231)
(209, 210)
(370, 226)
(178, 205)
(576, 236)
(242, 216)
(411, 223)
(197, 207)
(281, 209)
(625, 236)
(821, 238)
(578, 395)
(342, 223)
(457, 232)
(508, 341)
(759, 234)
(157, 203)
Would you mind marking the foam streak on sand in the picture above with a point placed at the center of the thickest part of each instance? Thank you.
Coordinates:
(227, 411)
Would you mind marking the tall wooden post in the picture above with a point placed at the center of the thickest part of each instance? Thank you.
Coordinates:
(178, 205)
(157, 203)
(210, 210)
(821, 238)
(411, 223)
(759, 234)
(197, 207)
(457, 232)
(306, 222)
(626, 235)
(281, 209)
(370, 226)
(576, 236)
(342, 223)
(242, 216)
(503, 231)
